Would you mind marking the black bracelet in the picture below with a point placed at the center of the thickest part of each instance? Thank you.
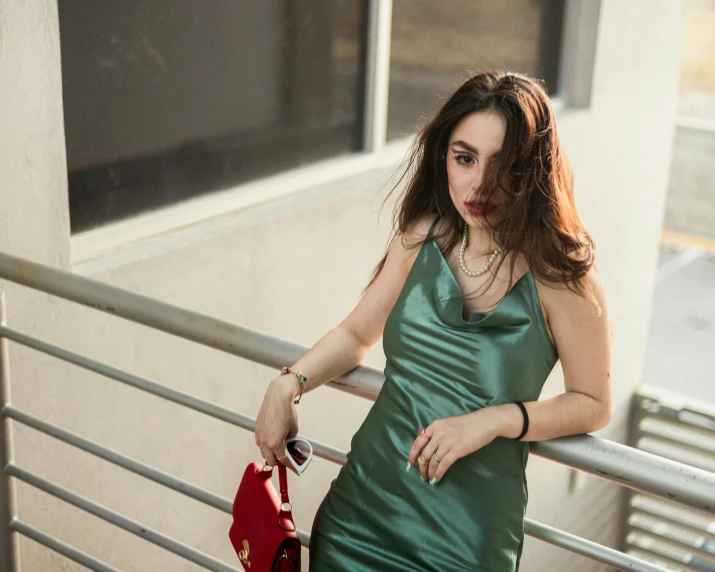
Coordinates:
(526, 420)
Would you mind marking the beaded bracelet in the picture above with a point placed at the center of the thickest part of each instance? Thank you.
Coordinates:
(302, 380)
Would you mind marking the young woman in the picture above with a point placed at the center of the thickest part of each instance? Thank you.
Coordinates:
(488, 281)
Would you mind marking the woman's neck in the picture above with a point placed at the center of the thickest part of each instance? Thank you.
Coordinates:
(480, 242)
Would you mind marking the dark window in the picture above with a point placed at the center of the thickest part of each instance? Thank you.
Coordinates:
(434, 45)
(169, 99)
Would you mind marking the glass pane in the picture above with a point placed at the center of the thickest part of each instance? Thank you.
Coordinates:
(169, 99)
(435, 44)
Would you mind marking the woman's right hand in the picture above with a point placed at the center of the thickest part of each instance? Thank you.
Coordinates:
(277, 419)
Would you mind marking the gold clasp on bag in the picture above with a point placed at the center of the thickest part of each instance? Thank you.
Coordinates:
(244, 555)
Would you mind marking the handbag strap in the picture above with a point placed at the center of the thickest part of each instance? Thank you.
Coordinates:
(285, 517)
(283, 481)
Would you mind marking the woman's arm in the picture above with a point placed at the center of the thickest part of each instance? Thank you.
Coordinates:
(340, 350)
(583, 340)
(344, 347)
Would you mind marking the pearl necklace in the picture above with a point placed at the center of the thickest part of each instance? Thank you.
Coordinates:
(464, 266)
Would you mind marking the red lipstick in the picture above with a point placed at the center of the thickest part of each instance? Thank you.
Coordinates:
(477, 209)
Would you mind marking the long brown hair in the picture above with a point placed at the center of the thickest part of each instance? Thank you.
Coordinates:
(541, 222)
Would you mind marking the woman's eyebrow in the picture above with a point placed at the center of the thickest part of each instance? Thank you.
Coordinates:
(467, 146)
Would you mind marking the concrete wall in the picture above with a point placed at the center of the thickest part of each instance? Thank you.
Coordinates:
(293, 268)
(690, 207)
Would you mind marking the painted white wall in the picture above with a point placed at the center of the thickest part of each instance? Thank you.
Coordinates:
(293, 268)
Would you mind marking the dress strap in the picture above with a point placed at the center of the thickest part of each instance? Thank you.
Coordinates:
(431, 229)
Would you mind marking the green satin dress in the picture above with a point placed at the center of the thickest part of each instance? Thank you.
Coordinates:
(378, 516)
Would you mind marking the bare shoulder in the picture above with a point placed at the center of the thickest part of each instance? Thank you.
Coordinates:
(560, 303)
(407, 245)
(418, 230)
(558, 294)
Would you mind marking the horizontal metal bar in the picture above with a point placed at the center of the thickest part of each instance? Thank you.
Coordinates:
(632, 468)
(548, 534)
(680, 408)
(669, 530)
(679, 434)
(165, 479)
(197, 493)
(588, 548)
(60, 547)
(125, 462)
(626, 466)
(670, 549)
(677, 452)
(675, 513)
(154, 388)
(575, 544)
(243, 342)
(178, 548)
(662, 560)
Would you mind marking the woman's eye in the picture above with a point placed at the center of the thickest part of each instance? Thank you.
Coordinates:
(463, 158)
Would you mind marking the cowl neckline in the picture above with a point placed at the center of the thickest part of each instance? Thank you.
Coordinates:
(476, 317)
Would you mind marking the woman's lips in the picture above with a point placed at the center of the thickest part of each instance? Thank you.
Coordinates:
(477, 209)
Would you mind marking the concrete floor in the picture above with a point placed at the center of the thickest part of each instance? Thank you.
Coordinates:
(681, 346)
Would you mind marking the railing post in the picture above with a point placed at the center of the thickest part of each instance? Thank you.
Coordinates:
(9, 547)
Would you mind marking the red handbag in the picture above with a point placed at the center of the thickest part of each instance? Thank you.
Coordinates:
(263, 532)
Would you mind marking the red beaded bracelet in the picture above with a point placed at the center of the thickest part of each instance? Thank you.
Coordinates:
(302, 380)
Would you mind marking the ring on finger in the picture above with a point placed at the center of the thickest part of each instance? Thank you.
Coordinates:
(422, 461)
(435, 457)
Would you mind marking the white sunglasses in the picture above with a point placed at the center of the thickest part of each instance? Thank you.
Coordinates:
(299, 453)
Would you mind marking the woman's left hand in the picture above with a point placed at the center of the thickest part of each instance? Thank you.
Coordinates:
(452, 438)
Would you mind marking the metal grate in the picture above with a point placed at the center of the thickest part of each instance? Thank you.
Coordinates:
(662, 532)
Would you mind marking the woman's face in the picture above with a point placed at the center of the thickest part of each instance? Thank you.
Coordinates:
(473, 142)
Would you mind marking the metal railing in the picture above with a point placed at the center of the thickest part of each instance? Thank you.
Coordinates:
(617, 463)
